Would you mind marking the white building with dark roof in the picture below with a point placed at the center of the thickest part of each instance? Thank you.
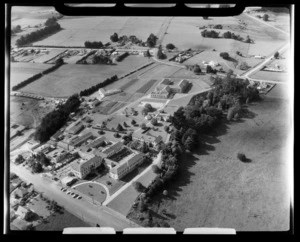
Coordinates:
(82, 167)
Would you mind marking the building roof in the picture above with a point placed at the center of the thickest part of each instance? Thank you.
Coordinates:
(115, 146)
(22, 211)
(81, 139)
(82, 162)
(21, 190)
(67, 179)
(75, 129)
(126, 162)
(96, 143)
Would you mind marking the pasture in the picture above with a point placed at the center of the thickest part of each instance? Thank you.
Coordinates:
(21, 71)
(215, 189)
(71, 78)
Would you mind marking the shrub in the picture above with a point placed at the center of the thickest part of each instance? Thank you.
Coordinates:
(138, 186)
(276, 55)
(197, 69)
(266, 17)
(242, 157)
(224, 55)
(170, 46)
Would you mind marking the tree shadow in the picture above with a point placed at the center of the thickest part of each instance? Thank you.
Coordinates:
(156, 215)
(232, 59)
(246, 113)
(189, 87)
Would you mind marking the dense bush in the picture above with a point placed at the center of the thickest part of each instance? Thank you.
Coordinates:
(101, 59)
(93, 45)
(224, 55)
(170, 46)
(241, 157)
(209, 34)
(218, 26)
(121, 57)
(114, 37)
(38, 34)
(56, 119)
(151, 40)
(266, 17)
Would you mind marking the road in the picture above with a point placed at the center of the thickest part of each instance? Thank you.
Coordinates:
(88, 212)
(259, 66)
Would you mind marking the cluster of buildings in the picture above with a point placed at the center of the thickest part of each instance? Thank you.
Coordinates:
(166, 87)
(211, 63)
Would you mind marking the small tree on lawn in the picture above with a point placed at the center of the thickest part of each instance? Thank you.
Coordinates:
(143, 126)
(266, 17)
(138, 186)
(154, 121)
(156, 169)
(197, 70)
(125, 124)
(241, 157)
(224, 55)
(120, 128)
(170, 46)
(19, 159)
(243, 66)
(166, 128)
(276, 55)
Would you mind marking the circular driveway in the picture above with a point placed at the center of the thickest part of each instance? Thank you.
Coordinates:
(93, 190)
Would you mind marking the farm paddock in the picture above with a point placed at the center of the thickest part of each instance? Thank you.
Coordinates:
(214, 187)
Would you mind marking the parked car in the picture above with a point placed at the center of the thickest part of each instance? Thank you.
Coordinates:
(75, 195)
(72, 193)
(79, 197)
(68, 192)
(64, 190)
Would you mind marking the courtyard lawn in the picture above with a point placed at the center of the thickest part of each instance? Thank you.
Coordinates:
(94, 191)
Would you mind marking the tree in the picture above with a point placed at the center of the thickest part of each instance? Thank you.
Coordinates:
(205, 17)
(266, 17)
(139, 187)
(144, 147)
(160, 54)
(37, 167)
(59, 61)
(276, 55)
(154, 121)
(20, 159)
(229, 73)
(243, 66)
(197, 69)
(209, 69)
(114, 37)
(156, 169)
(142, 205)
(143, 126)
(133, 122)
(242, 157)
(42, 159)
(248, 40)
(166, 128)
(230, 113)
(151, 40)
(170, 46)
(120, 128)
(50, 21)
(224, 55)
(125, 124)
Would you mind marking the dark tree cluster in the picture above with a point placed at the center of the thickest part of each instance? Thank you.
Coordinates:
(16, 30)
(114, 37)
(38, 34)
(160, 54)
(151, 41)
(93, 45)
(29, 80)
(56, 119)
(218, 26)
(170, 46)
(93, 89)
(121, 57)
(224, 55)
(209, 34)
(101, 59)
(231, 35)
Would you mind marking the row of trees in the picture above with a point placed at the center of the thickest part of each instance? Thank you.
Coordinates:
(226, 35)
(16, 29)
(121, 57)
(93, 89)
(38, 34)
(93, 44)
(29, 80)
(56, 119)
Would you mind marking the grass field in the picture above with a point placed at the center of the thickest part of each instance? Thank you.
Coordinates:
(271, 76)
(146, 86)
(215, 189)
(57, 222)
(92, 190)
(74, 77)
(21, 71)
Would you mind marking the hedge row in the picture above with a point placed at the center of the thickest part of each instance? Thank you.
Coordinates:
(121, 57)
(93, 89)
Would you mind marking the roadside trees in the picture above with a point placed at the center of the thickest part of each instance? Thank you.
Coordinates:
(139, 187)
(266, 17)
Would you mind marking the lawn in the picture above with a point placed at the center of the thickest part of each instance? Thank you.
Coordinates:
(215, 189)
(271, 76)
(75, 78)
(94, 191)
(21, 71)
(80, 29)
(146, 86)
(57, 222)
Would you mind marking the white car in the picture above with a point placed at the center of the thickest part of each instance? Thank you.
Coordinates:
(68, 192)
(75, 195)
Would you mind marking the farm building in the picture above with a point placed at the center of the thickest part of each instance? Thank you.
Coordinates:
(76, 128)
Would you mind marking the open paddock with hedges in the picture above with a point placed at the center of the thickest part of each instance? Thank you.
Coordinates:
(21, 71)
(71, 78)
